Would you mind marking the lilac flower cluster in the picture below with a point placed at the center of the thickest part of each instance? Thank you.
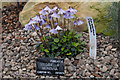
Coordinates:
(49, 18)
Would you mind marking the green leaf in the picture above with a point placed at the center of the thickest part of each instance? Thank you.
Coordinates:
(64, 39)
(48, 54)
(68, 54)
(59, 44)
(41, 50)
(65, 50)
(69, 36)
(74, 16)
(80, 50)
(56, 47)
(47, 37)
(46, 50)
(73, 49)
(76, 44)
(81, 47)
(57, 54)
(37, 45)
(71, 31)
(56, 40)
(53, 48)
(78, 35)
(41, 46)
(83, 43)
(62, 49)
(73, 43)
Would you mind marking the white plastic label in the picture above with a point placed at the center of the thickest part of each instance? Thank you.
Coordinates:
(92, 37)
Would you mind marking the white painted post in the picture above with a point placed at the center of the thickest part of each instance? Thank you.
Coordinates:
(92, 38)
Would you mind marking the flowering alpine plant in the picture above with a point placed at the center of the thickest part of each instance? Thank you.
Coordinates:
(57, 24)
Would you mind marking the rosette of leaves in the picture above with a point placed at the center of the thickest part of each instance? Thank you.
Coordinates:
(64, 45)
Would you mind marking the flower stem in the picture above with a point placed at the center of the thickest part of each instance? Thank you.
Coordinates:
(57, 20)
(68, 24)
(43, 41)
(53, 22)
(39, 35)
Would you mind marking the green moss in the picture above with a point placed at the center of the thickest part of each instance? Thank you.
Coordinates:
(101, 20)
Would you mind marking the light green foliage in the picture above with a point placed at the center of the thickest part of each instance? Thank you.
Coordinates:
(109, 20)
(114, 13)
(101, 20)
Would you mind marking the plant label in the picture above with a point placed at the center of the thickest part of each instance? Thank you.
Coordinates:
(92, 37)
(50, 66)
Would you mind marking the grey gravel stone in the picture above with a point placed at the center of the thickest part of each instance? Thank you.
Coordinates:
(20, 57)
(104, 69)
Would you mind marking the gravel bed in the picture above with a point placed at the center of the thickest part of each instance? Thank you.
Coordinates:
(19, 55)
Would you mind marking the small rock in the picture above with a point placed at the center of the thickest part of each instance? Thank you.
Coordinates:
(20, 71)
(74, 75)
(89, 67)
(96, 69)
(78, 56)
(96, 75)
(17, 49)
(34, 34)
(72, 59)
(26, 40)
(7, 76)
(67, 62)
(105, 52)
(91, 76)
(106, 59)
(87, 73)
(104, 69)
(7, 65)
(24, 69)
(0, 75)
(114, 49)
(75, 62)
(70, 69)
(96, 63)
(9, 41)
(18, 56)
(112, 72)
(14, 68)
(68, 75)
(108, 48)
(30, 67)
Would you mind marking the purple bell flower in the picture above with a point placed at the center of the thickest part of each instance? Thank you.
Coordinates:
(67, 16)
(61, 11)
(49, 16)
(42, 16)
(72, 10)
(55, 23)
(43, 21)
(43, 12)
(58, 28)
(68, 12)
(28, 27)
(36, 18)
(55, 15)
(32, 22)
(53, 31)
(55, 8)
(48, 9)
(75, 22)
(36, 27)
(48, 26)
(80, 22)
